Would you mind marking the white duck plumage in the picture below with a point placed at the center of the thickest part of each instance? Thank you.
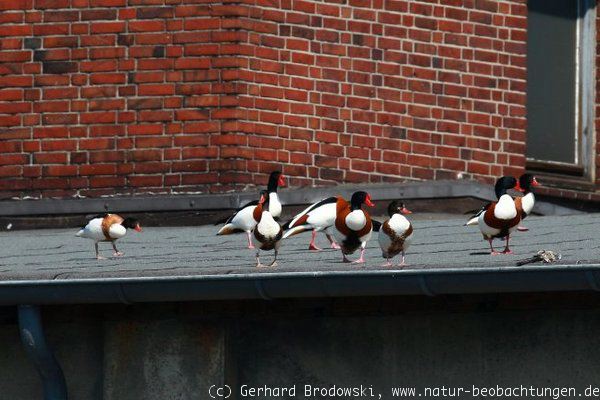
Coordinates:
(317, 217)
(276, 179)
(275, 207)
(356, 220)
(267, 233)
(528, 202)
(242, 221)
(505, 208)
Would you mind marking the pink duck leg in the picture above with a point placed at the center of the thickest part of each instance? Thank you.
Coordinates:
(334, 244)
(312, 245)
(403, 263)
(492, 251)
(507, 250)
(117, 253)
(250, 245)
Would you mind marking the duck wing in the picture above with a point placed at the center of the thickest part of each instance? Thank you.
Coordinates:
(475, 217)
(296, 220)
(230, 218)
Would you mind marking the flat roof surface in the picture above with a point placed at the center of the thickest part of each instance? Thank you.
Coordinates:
(440, 242)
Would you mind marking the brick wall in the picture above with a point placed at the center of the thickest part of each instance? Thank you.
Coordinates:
(184, 95)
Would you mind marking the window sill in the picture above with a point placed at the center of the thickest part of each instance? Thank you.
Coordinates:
(561, 181)
(561, 176)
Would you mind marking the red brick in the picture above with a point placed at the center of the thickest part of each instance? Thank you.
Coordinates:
(145, 181)
(156, 90)
(58, 145)
(15, 107)
(108, 182)
(146, 26)
(50, 132)
(98, 169)
(49, 158)
(96, 144)
(107, 27)
(59, 170)
(162, 141)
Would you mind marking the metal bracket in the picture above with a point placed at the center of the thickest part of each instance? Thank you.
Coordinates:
(261, 290)
(591, 278)
(34, 342)
(424, 287)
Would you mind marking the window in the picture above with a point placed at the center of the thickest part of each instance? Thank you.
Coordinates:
(560, 98)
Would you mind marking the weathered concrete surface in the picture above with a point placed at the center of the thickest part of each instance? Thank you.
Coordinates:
(77, 346)
(185, 251)
(162, 359)
(157, 352)
(546, 348)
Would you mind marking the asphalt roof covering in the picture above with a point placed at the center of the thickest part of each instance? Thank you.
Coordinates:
(440, 242)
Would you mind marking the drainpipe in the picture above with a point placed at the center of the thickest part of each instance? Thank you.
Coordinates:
(34, 341)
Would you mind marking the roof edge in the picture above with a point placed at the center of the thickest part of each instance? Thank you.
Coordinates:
(271, 286)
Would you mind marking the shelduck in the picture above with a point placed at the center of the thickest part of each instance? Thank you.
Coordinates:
(396, 233)
(108, 228)
(243, 219)
(353, 226)
(499, 219)
(318, 217)
(474, 220)
(526, 203)
(267, 233)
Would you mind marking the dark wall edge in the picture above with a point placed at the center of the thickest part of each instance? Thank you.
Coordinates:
(295, 196)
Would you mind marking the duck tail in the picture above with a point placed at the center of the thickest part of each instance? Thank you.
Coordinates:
(472, 221)
(296, 230)
(376, 225)
(228, 230)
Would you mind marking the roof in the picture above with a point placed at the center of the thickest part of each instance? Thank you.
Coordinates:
(191, 263)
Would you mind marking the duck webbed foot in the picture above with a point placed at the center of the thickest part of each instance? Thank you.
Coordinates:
(387, 263)
(361, 260)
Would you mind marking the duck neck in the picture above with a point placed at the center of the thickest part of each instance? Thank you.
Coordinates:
(354, 207)
(272, 185)
(500, 191)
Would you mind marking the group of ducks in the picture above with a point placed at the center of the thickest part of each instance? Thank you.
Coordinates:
(346, 225)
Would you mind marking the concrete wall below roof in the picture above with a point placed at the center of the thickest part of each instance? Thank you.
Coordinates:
(164, 352)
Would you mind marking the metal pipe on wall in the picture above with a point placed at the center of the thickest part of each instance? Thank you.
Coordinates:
(34, 342)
